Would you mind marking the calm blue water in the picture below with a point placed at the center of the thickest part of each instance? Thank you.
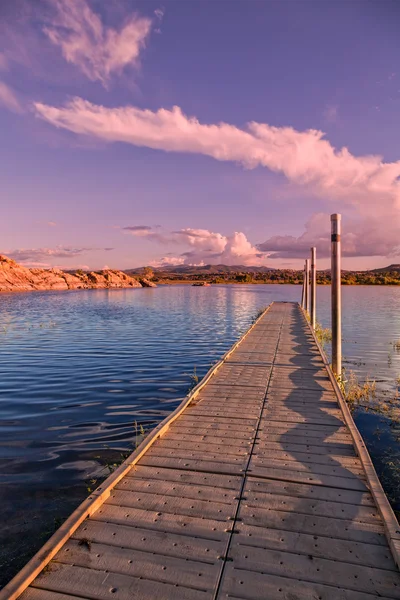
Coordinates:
(78, 369)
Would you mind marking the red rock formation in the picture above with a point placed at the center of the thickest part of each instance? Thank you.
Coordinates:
(16, 278)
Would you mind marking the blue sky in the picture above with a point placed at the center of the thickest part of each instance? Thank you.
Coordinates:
(97, 168)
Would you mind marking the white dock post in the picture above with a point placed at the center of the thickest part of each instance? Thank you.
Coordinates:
(307, 286)
(313, 311)
(336, 295)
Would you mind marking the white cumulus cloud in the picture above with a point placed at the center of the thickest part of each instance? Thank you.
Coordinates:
(204, 247)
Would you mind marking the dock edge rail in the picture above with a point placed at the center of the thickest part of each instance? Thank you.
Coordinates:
(391, 525)
(88, 507)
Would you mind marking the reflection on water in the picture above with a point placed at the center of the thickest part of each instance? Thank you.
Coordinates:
(79, 368)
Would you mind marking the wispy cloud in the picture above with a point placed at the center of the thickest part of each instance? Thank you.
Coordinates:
(8, 98)
(38, 255)
(98, 50)
(138, 229)
(365, 185)
(151, 233)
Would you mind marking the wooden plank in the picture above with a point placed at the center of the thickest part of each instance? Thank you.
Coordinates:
(322, 459)
(208, 529)
(202, 455)
(226, 391)
(231, 442)
(367, 533)
(306, 506)
(312, 411)
(222, 412)
(189, 477)
(322, 450)
(353, 472)
(213, 421)
(298, 476)
(329, 433)
(149, 541)
(378, 582)
(37, 594)
(204, 466)
(207, 446)
(181, 490)
(99, 585)
(229, 402)
(240, 583)
(243, 375)
(151, 566)
(303, 394)
(234, 433)
(220, 511)
(372, 555)
(306, 490)
(264, 358)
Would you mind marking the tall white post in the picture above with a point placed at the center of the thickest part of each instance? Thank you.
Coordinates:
(313, 312)
(336, 295)
(307, 286)
(302, 289)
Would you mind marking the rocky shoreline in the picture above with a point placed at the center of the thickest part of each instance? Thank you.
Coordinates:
(16, 278)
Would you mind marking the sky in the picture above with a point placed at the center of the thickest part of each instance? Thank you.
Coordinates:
(150, 133)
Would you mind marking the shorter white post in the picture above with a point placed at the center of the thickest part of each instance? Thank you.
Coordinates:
(307, 286)
(313, 314)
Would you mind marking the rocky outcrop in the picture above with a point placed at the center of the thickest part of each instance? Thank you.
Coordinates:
(16, 278)
(146, 283)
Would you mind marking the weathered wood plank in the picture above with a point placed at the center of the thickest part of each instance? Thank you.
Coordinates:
(306, 490)
(367, 533)
(207, 446)
(371, 580)
(152, 566)
(306, 506)
(150, 541)
(180, 490)
(200, 455)
(353, 472)
(220, 511)
(264, 444)
(329, 460)
(100, 585)
(203, 466)
(300, 476)
(240, 583)
(370, 555)
(208, 529)
(186, 477)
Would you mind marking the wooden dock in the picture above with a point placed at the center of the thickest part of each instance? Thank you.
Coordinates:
(257, 487)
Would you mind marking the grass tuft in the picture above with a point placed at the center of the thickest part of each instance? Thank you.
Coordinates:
(323, 334)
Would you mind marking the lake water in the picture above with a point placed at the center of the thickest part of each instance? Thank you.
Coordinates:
(81, 371)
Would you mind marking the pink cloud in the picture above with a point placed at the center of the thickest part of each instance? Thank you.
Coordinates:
(204, 246)
(98, 50)
(366, 186)
(8, 98)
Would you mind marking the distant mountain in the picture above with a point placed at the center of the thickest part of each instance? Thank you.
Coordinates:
(204, 269)
(393, 268)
